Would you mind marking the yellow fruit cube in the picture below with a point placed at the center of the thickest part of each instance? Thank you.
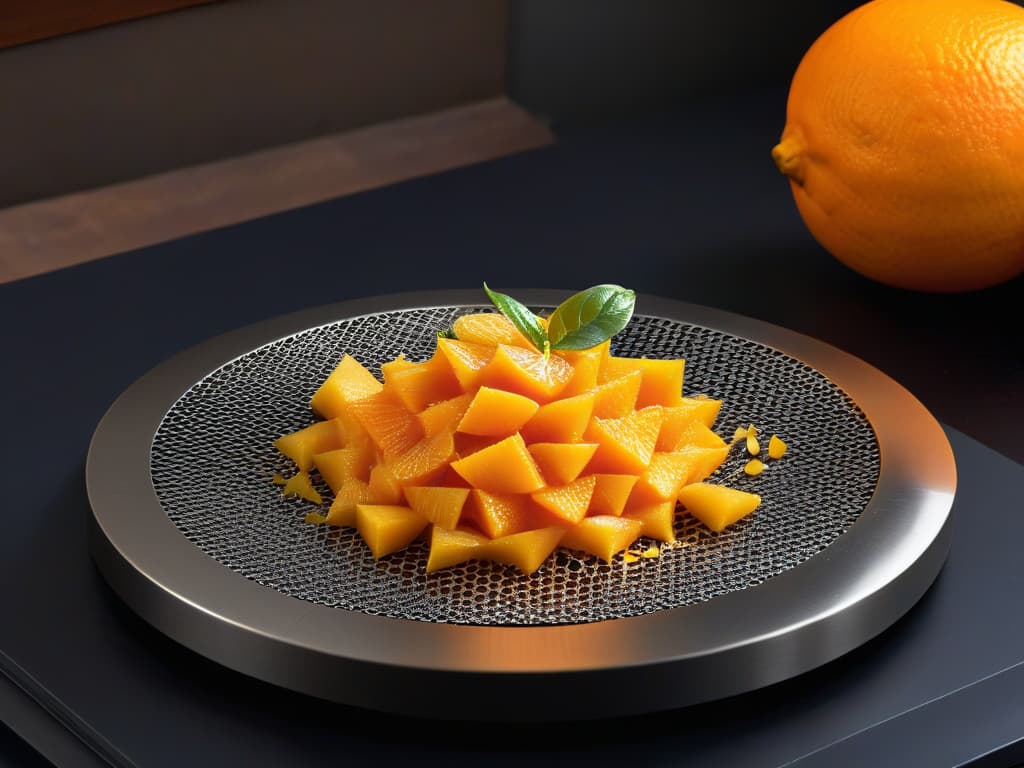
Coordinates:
(661, 380)
(698, 435)
(602, 535)
(316, 438)
(617, 398)
(567, 502)
(496, 413)
(561, 463)
(560, 421)
(386, 528)
(467, 360)
(419, 385)
(348, 382)
(625, 445)
(611, 493)
(665, 475)
(343, 464)
(448, 548)
(526, 550)
(505, 467)
(526, 372)
(716, 505)
(489, 329)
(424, 462)
(677, 418)
(343, 508)
(389, 423)
(384, 486)
(657, 520)
(438, 505)
(495, 514)
(444, 416)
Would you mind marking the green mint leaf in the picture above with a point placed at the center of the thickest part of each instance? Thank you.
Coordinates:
(590, 317)
(522, 318)
(447, 333)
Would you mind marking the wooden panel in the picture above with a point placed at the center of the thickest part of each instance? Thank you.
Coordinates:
(63, 231)
(22, 21)
(227, 78)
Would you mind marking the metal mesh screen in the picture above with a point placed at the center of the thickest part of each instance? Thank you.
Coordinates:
(212, 461)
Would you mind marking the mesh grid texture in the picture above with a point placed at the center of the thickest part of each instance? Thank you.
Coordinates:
(212, 459)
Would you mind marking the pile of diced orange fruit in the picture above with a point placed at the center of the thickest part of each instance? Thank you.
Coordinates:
(506, 454)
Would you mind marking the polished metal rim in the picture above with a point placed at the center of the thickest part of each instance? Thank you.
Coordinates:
(794, 622)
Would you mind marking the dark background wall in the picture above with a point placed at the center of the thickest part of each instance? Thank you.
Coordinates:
(580, 60)
(211, 81)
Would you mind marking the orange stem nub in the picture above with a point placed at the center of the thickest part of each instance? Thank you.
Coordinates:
(788, 155)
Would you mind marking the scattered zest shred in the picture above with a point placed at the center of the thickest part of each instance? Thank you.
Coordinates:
(754, 467)
(315, 518)
(629, 557)
(651, 552)
(739, 434)
(278, 479)
(776, 447)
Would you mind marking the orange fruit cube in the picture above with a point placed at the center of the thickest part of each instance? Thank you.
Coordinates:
(387, 528)
(568, 502)
(424, 462)
(657, 520)
(467, 360)
(602, 535)
(496, 514)
(526, 372)
(526, 550)
(617, 398)
(302, 445)
(418, 385)
(444, 415)
(348, 382)
(496, 413)
(611, 493)
(561, 463)
(661, 380)
(717, 506)
(505, 467)
(560, 421)
(448, 548)
(625, 445)
(440, 506)
(388, 422)
(489, 329)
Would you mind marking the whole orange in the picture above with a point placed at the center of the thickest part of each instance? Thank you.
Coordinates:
(904, 142)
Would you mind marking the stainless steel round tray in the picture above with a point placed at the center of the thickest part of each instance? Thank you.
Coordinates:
(188, 530)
